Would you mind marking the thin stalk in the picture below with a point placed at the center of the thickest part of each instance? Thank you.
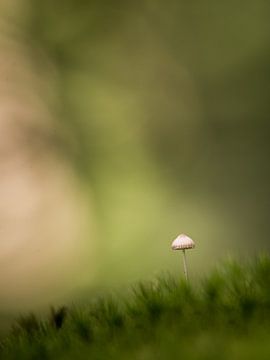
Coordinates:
(185, 265)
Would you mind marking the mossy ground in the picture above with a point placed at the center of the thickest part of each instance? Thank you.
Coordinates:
(224, 316)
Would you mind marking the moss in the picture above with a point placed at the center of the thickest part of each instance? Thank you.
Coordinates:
(226, 315)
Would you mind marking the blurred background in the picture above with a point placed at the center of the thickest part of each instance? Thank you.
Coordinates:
(123, 124)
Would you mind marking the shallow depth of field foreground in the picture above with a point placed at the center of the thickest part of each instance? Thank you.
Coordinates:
(223, 316)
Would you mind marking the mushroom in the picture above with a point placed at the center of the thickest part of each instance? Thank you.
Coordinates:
(183, 242)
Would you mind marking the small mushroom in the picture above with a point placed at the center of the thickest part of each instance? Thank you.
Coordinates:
(183, 242)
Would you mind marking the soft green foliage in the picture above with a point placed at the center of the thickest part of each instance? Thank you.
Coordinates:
(225, 316)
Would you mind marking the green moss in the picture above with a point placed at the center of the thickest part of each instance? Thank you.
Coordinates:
(225, 316)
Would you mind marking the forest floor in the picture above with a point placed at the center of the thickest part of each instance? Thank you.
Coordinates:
(224, 316)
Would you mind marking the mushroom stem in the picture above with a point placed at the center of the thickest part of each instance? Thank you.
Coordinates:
(185, 265)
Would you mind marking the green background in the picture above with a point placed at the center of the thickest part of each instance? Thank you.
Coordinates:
(160, 112)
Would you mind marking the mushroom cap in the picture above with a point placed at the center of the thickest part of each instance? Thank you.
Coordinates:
(183, 242)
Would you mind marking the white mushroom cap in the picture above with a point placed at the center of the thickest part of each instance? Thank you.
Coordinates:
(183, 242)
